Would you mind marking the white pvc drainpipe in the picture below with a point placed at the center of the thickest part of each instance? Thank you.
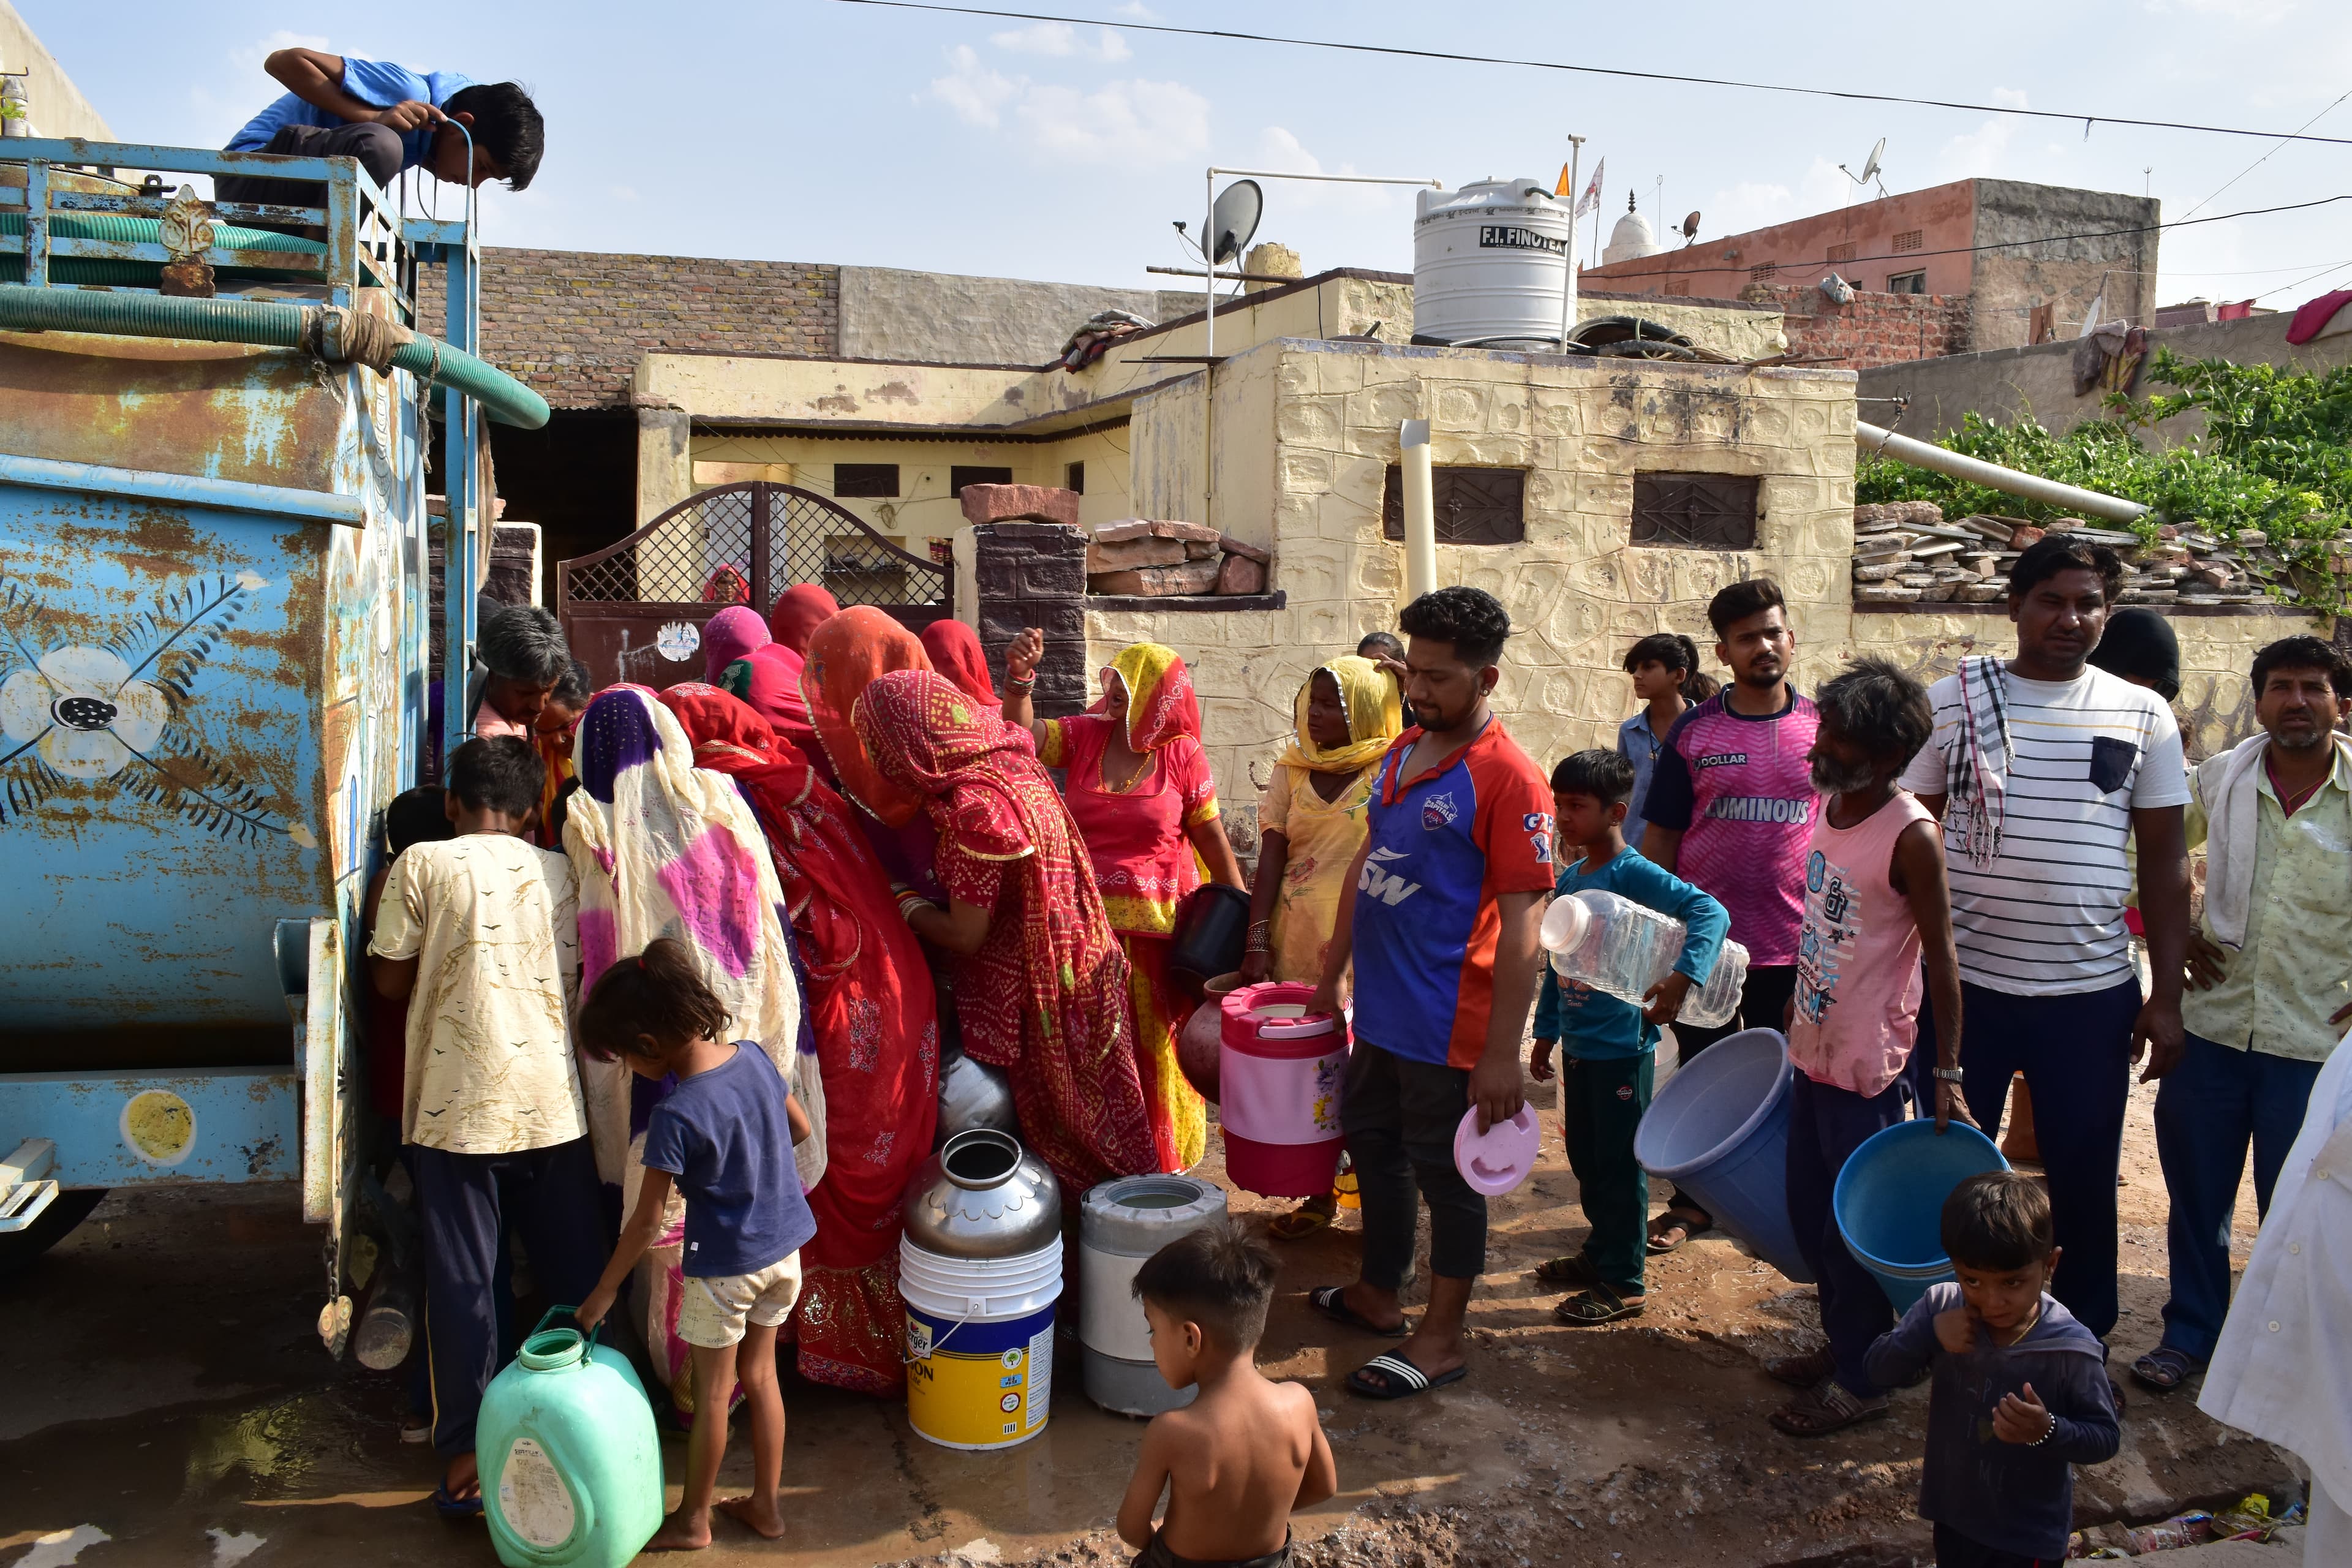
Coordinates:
(1993, 476)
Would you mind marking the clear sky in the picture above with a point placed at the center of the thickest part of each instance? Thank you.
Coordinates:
(814, 131)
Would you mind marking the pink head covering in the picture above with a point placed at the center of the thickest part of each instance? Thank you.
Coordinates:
(730, 634)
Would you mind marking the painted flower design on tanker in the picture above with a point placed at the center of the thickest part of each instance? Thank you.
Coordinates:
(72, 713)
(80, 707)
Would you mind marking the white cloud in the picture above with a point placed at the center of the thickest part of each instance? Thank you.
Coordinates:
(977, 92)
(1137, 9)
(1061, 40)
(1279, 148)
(1120, 122)
(2258, 13)
(250, 56)
(1133, 121)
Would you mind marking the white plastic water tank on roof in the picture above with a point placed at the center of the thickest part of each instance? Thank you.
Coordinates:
(1489, 263)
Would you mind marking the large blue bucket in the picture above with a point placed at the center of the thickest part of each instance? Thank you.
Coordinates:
(1889, 1202)
(1719, 1130)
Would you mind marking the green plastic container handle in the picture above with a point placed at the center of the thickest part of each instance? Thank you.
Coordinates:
(587, 1340)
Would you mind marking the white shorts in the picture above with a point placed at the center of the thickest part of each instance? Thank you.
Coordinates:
(711, 1312)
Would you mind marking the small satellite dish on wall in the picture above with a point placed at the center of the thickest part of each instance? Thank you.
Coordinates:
(1870, 168)
(1690, 228)
(1232, 220)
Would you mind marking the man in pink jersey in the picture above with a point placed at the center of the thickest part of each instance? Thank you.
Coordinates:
(1730, 811)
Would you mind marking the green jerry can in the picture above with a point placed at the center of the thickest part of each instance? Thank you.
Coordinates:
(571, 1469)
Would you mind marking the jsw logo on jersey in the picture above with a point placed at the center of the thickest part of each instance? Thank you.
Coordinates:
(1383, 883)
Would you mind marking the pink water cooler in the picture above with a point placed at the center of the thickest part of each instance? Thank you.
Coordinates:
(1279, 1073)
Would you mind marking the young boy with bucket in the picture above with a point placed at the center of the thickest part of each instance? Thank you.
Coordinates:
(2020, 1392)
(1875, 901)
(1611, 1046)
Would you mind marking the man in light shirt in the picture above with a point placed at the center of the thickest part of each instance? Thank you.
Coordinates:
(2271, 970)
(2043, 768)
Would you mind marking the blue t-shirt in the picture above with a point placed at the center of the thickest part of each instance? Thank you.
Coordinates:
(1442, 850)
(1593, 1023)
(370, 82)
(724, 1134)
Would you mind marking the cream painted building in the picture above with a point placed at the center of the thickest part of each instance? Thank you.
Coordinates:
(1287, 443)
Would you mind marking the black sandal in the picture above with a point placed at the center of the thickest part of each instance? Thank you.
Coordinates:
(1591, 1309)
(2164, 1369)
(1400, 1379)
(1692, 1225)
(1575, 1269)
(1331, 1301)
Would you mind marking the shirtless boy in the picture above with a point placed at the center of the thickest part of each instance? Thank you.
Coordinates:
(1244, 1454)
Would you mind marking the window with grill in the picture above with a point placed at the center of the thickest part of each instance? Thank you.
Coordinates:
(1910, 239)
(1907, 283)
(1764, 273)
(1694, 511)
(962, 474)
(1842, 252)
(867, 479)
(1473, 506)
(1074, 477)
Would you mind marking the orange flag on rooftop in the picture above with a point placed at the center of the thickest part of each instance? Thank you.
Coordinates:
(1562, 189)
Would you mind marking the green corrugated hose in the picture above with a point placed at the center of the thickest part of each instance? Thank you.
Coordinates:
(266, 323)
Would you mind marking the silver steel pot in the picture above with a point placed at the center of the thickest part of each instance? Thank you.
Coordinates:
(972, 1096)
(982, 1195)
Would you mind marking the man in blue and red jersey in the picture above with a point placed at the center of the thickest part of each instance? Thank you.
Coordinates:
(1449, 890)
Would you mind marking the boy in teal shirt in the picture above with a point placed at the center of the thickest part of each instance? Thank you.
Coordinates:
(1605, 1072)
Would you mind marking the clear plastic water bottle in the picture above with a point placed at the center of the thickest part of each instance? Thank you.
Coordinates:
(1611, 944)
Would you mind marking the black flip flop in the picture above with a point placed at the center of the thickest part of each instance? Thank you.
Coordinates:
(1331, 1301)
(1692, 1230)
(1401, 1379)
(2164, 1369)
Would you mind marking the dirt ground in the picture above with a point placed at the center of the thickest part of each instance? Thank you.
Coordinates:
(167, 1402)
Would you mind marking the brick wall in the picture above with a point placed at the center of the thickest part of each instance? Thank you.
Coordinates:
(1870, 329)
(571, 323)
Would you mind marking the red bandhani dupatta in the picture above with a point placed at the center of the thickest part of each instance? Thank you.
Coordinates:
(874, 1014)
(1045, 997)
(797, 613)
(843, 660)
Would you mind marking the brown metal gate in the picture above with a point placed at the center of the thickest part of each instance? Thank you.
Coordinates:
(635, 611)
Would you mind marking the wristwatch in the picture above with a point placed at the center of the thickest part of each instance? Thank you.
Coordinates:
(1950, 1075)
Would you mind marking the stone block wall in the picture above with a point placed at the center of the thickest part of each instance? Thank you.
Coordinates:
(1578, 590)
(2216, 705)
(1035, 574)
(1869, 330)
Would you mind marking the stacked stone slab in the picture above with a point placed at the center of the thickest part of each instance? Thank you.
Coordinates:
(1906, 552)
(1147, 557)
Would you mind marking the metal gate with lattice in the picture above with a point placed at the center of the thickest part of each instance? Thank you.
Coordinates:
(635, 611)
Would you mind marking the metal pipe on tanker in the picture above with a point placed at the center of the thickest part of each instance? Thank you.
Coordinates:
(1993, 476)
(1420, 510)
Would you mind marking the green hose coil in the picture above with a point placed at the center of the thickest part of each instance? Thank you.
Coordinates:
(263, 323)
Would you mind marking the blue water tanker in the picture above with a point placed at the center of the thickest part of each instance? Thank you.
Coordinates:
(214, 628)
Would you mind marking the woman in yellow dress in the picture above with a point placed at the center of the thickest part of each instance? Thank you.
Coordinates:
(1311, 822)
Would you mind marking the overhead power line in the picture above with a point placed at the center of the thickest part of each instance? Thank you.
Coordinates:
(2085, 121)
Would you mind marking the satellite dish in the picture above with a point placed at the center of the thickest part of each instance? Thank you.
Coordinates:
(1234, 219)
(1690, 228)
(1871, 164)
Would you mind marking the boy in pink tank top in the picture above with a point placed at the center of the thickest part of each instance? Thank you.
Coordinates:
(1876, 901)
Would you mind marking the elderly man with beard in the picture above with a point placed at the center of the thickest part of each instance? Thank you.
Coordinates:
(2271, 965)
(1730, 811)
(2042, 769)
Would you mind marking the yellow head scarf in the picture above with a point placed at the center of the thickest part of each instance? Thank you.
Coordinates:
(1375, 710)
(1160, 704)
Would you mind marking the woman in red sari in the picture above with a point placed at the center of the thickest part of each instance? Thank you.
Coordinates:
(956, 653)
(1041, 985)
(797, 613)
(1140, 788)
(870, 1008)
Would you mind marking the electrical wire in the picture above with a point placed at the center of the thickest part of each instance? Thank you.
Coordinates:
(2087, 119)
(2266, 158)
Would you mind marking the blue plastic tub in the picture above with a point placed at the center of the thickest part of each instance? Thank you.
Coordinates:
(1889, 1202)
(1719, 1130)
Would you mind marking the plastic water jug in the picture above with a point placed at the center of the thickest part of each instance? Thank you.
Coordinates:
(1278, 1071)
(572, 1470)
(1612, 944)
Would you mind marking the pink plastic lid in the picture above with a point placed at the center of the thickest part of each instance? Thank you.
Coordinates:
(1499, 1159)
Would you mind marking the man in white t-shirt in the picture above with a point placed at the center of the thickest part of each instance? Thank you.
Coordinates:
(2043, 770)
